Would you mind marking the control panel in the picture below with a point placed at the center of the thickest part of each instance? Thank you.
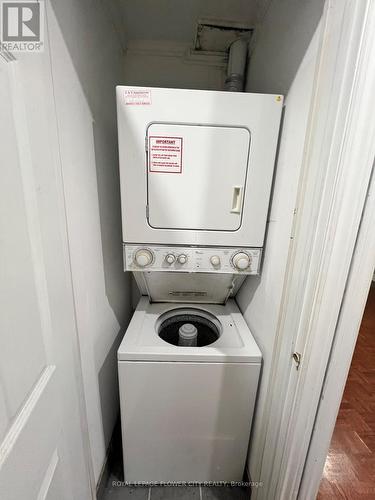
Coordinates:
(192, 259)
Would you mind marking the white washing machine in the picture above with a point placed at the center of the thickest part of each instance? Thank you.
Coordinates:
(186, 411)
(196, 171)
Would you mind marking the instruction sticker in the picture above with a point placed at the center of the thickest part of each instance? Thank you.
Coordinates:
(165, 154)
(137, 97)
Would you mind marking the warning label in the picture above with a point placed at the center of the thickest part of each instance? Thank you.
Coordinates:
(137, 97)
(165, 154)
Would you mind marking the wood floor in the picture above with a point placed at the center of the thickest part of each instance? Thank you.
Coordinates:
(349, 471)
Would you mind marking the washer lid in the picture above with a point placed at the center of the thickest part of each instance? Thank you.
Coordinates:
(234, 345)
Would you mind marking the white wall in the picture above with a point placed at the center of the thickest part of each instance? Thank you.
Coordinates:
(280, 44)
(177, 21)
(171, 64)
(86, 66)
(260, 298)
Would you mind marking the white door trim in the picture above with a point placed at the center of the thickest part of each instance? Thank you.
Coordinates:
(352, 308)
(352, 166)
(335, 177)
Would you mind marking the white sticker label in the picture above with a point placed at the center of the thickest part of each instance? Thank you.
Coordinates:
(137, 97)
(165, 154)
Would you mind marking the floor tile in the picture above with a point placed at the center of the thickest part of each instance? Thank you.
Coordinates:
(175, 493)
(114, 492)
(225, 493)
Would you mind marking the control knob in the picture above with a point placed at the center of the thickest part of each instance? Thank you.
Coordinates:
(182, 259)
(241, 261)
(215, 260)
(143, 257)
(170, 258)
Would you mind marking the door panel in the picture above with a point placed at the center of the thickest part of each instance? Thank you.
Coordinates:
(52, 484)
(30, 442)
(20, 323)
(28, 377)
(41, 450)
(186, 164)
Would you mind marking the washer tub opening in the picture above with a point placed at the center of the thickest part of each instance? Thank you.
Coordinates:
(169, 323)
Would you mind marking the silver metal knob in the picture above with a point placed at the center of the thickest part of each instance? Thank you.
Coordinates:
(241, 261)
(182, 259)
(215, 260)
(170, 258)
(143, 257)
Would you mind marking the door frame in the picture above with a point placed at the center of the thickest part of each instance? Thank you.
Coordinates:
(328, 214)
(353, 305)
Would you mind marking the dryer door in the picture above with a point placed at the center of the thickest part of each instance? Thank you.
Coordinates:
(196, 176)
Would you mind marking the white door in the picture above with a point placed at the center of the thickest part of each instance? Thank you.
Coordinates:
(196, 176)
(42, 446)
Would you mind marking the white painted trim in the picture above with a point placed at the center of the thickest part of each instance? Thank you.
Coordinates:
(331, 197)
(23, 416)
(6, 56)
(344, 190)
(31, 203)
(77, 344)
(50, 472)
(356, 293)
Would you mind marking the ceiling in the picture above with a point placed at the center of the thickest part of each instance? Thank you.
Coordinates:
(177, 19)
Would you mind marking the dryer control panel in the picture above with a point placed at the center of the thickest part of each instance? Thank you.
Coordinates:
(192, 259)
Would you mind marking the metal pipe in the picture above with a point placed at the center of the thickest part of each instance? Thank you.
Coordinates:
(236, 66)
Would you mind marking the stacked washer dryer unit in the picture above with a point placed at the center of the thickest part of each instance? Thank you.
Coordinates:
(196, 170)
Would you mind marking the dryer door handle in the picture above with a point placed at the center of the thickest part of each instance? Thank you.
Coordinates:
(237, 198)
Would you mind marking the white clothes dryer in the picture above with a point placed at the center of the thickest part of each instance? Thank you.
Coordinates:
(196, 167)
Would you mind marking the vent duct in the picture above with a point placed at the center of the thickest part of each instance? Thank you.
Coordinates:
(235, 80)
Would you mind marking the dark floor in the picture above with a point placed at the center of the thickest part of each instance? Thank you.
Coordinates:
(349, 471)
(116, 490)
(175, 493)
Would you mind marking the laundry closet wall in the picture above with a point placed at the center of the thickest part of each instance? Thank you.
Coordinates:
(283, 61)
(160, 38)
(169, 64)
(87, 63)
